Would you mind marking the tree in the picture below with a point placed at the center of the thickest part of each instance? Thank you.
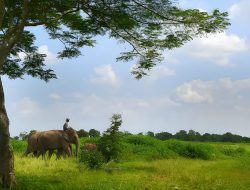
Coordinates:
(94, 133)
(109, 143)
(163, 136)
(148, 26)
(150, 134)
(182, 134)
(82, 133)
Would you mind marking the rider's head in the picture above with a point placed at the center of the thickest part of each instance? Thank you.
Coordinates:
(67, 120)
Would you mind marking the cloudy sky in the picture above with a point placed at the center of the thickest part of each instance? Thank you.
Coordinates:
(205, 85)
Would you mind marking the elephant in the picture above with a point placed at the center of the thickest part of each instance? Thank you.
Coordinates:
(34, 147)
(41, 142)
(33, 144)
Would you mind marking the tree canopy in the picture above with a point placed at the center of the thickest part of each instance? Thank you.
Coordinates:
(148, 26)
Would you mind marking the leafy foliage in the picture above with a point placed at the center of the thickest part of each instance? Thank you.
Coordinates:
(93, 159)
(201, 151)
(233, 151)
(94, 133)
(110, 142)
(148, 27)
(82, 133)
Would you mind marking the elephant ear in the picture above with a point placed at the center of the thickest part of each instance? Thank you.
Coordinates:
(65, 136)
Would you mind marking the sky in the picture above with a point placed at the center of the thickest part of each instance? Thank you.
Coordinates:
(204, 85)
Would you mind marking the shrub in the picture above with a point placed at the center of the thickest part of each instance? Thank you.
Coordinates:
(110, 143)
(233, 151)
(93, 159)
(19, 146)
(192, 150)
(202, 151)
(145, 147)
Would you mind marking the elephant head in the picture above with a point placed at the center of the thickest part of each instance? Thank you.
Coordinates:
(72, 138)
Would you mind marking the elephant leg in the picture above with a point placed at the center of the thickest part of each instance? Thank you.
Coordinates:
(70, 148)
(43, 153)
(66, 149)
(26, 153)
(35, 153)
(50, 153)
(59, 153)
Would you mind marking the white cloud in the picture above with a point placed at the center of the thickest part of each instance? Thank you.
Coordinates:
(50, 58)
(26, 107)
(217, 48)
(55, 96)
(198, 91)
(240, 12)
(104, 75)
(214, 48)
(161, 71)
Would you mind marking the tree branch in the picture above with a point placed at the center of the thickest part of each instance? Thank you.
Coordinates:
(158, 14)
(2, 12)
(52, 20)
(14, 34)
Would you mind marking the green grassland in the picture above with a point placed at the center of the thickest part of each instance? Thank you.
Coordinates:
(145, 163)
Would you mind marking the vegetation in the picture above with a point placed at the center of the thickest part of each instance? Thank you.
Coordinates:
(91, 158)
(108, 147)
(192, 135)
(146, 163)
(109, 144)
(94, 133)
(82, 133)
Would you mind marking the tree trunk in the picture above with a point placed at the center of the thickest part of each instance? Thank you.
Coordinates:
(7, 174)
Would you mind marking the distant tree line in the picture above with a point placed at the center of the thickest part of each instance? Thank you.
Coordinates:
(190, 135)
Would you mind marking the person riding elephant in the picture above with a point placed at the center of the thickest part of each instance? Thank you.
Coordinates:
(66, 124)
(53, 140)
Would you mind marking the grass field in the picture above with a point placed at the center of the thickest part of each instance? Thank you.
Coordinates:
(145, 164)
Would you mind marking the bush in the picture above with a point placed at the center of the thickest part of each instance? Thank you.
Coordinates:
(93, 159)
(19, 145)
(110, 143)
(192, 150)
(233, 151)
(145, 147)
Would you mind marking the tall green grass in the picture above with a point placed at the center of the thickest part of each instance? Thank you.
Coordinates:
(178, 173)
(145, 163)
(142, 147)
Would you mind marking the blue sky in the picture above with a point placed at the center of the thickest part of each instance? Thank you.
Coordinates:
(204, 85)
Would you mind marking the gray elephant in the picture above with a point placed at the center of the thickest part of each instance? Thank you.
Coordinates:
(41, 142)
